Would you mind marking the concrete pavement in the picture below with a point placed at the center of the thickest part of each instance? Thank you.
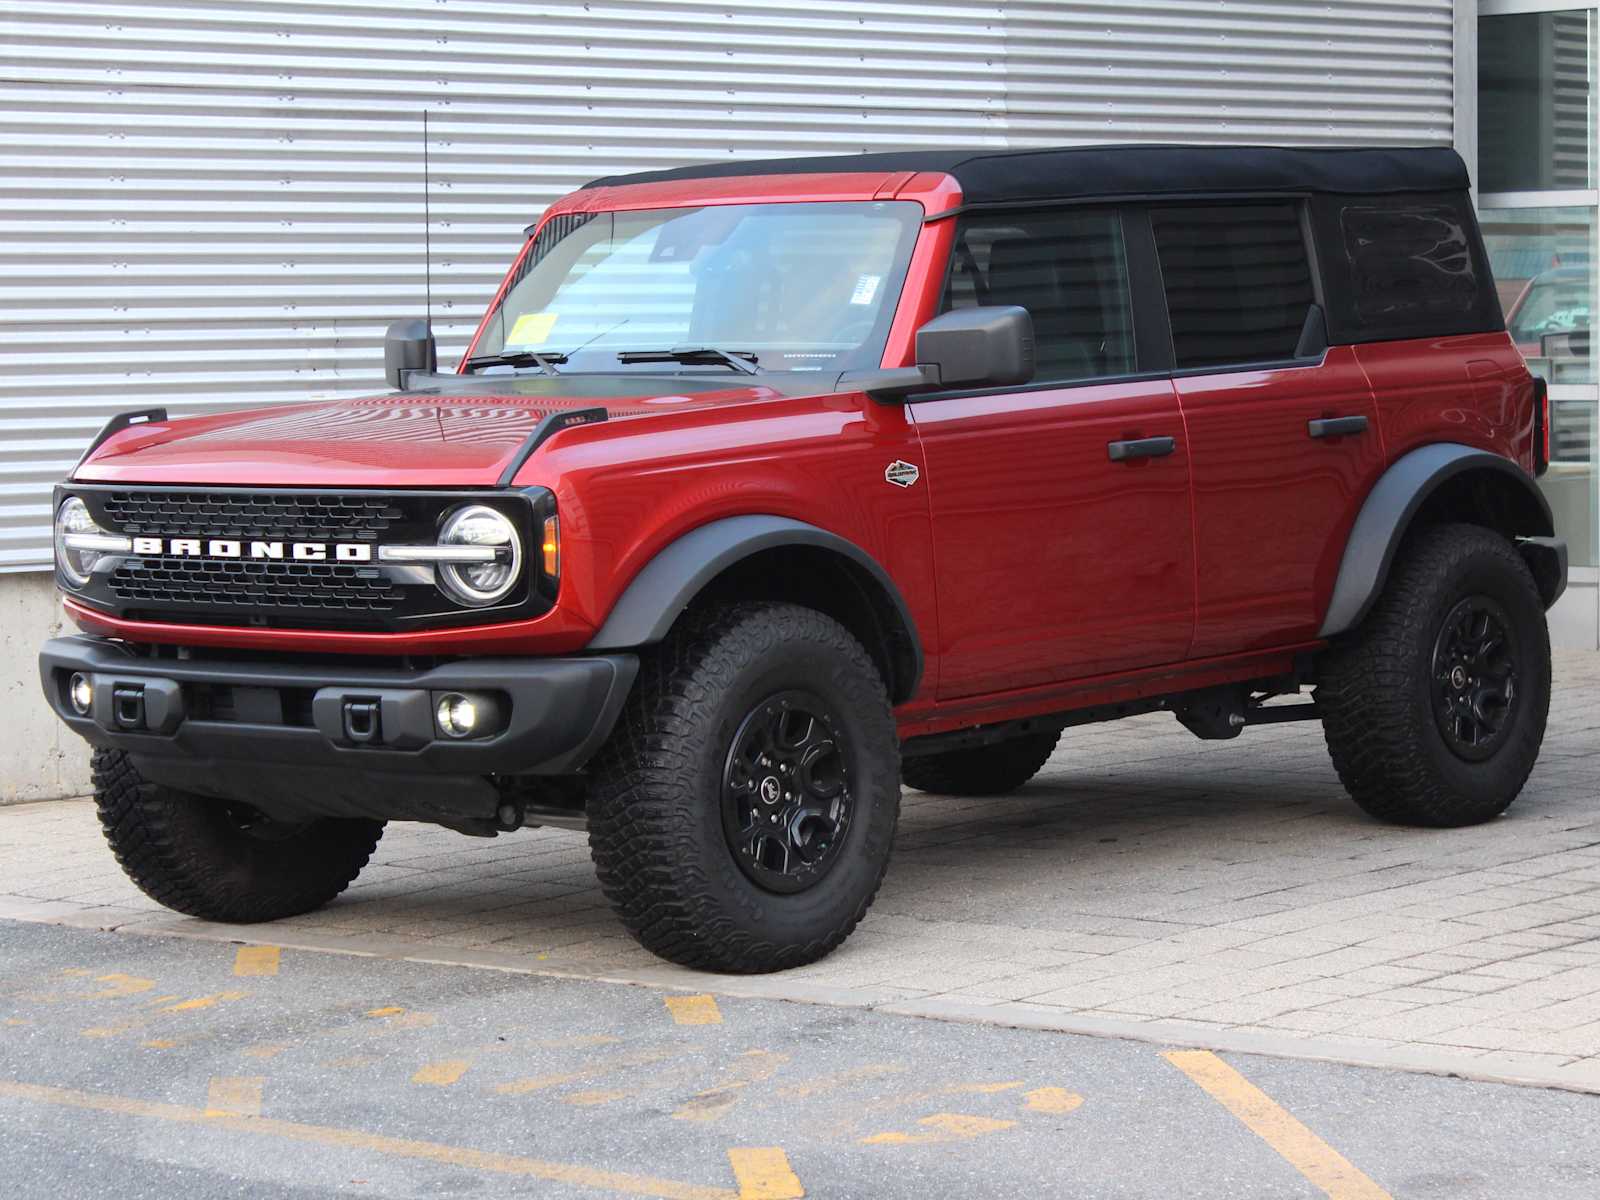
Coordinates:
(1147, 885)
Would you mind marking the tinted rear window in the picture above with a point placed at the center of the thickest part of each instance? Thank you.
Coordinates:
(1237, 280)
(1403, 266)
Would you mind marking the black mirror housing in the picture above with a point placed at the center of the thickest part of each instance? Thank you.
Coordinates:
(978, 347)
(990, 346)
(409, 349)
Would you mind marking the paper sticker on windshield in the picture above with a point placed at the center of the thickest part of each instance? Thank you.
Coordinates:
(866, 289)
(531, 329)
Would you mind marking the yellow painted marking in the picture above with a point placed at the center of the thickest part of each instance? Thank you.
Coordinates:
(694, 1010)
(121, 985)
(1303, 1150)
(160, 1000)
(395, 1017)
(373, 1143)
(764, 1174)
(266, 1051)
(443, 1073)
(256, 960)
(1052, 1100)
(15, 1021)
(839, 1079)
(235, 1096)
(391, 1011)
(204, 1002)
(598, 1096)
(941, 1127)
(753, 1066)
(80, 971)
(605, 1066)
(160, 1044)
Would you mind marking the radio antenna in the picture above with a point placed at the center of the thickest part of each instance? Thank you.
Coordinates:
(427, 229)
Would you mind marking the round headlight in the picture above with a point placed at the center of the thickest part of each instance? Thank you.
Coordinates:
(73, 517)
(488, 581)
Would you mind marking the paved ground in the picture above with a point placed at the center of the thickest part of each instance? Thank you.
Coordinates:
(1221, 894)
(160, 1067)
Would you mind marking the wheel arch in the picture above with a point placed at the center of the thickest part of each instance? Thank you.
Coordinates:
(764, 557)
(1434, 484)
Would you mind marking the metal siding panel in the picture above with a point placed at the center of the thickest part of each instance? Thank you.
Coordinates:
(209, 204)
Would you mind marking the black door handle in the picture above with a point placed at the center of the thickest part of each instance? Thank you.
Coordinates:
(1336, 426)
(1156, 447)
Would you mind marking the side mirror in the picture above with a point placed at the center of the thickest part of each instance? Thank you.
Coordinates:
(409, 349)
(967, 348)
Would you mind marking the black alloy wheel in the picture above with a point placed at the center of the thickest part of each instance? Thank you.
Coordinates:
(786, 794)
(1475, 678)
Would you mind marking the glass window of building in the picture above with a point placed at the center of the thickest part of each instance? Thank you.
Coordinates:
(1535, 101)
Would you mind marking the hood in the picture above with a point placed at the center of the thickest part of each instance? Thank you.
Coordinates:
(432, 438)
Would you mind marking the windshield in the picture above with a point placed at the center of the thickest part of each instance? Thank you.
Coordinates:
(1552, 306)
(800, 287)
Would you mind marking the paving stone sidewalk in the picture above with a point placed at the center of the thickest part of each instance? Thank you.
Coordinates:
(1224, 894)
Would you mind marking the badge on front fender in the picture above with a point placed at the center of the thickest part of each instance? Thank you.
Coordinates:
(901, 473)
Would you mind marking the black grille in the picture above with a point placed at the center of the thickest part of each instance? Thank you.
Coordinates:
(302, 516)
(211, 584)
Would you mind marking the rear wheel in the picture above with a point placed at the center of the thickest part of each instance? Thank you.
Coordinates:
(220, 861)
(1434, 708)
(983, 770)
(741, 815)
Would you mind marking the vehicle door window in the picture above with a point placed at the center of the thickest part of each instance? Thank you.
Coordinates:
(1068, 270)
(1237, 280)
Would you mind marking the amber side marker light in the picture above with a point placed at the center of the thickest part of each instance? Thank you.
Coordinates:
(551, 547)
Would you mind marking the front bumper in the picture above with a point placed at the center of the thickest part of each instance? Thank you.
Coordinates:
(325, 738)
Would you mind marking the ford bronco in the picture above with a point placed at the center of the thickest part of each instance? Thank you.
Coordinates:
(766, 487)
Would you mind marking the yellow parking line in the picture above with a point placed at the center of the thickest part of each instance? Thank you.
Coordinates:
(444, 1073)
(1052, 1100)
(231, 1096)
(204, 1002)
(764, 1174)
(1303, 1150)
(942, 1127)
(256, 960)
(121, 985)
(694, 1010)
(355, 1139)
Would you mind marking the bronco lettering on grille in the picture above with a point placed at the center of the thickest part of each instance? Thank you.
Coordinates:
(192, 547)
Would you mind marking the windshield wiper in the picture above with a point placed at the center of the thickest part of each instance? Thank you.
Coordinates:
(521, 358)
(740, 360)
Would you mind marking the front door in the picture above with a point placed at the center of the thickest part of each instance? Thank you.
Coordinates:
(1061, 511)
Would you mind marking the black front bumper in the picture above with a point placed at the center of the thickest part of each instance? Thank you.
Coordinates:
(281, 735)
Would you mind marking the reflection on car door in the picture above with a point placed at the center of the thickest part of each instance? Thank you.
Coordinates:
(1061, 511)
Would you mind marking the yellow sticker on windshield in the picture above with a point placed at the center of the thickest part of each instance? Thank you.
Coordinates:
(532, 329)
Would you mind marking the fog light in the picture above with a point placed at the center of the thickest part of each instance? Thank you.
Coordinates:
(81, 692)
(458, 714)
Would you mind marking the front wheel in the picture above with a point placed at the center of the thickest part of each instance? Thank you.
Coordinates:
(741, 814)
(1434, 708)
(218, 861)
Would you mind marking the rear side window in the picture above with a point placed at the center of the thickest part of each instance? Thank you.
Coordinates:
(1403, 266)
(1237, 280)
(1067, 270)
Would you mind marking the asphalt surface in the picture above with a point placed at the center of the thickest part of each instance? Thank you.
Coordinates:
(146, 1067)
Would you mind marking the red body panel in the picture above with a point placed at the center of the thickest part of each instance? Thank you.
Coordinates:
(1040, 574)
(1272, 505)
(1054, 561)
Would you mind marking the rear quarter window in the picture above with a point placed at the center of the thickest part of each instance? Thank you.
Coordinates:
(1403, 266)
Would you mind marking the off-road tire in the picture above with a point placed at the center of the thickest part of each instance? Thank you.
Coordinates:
(193, 855)
(656, 800)
(1376, 685)
(982, 770)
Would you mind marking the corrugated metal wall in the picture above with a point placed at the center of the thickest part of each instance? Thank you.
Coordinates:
(206, 203)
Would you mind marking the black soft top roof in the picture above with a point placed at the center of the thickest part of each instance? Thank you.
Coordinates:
(1097, 172)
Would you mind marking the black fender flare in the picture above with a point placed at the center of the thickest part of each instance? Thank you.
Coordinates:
(1387, 513)
(670, 581)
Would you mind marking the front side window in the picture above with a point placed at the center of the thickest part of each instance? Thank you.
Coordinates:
(1067, 270)
(1237, 280)
(793, 287)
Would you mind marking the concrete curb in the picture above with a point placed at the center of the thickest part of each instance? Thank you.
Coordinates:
(888, 1000)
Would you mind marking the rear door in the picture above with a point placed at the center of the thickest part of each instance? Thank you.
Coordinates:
(1060, 509)
(1283, 432)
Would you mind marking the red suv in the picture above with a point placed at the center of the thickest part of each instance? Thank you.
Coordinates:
(765, 487)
